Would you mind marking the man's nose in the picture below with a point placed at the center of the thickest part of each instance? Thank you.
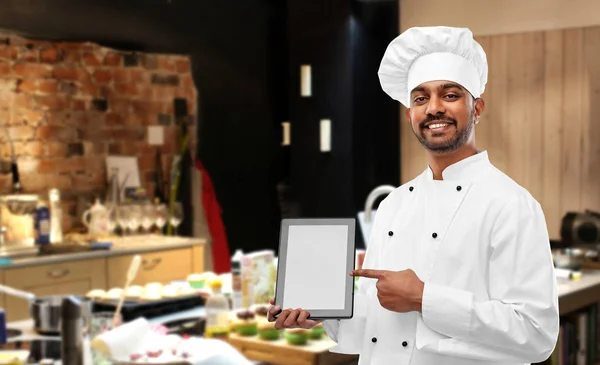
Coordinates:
(435, 106)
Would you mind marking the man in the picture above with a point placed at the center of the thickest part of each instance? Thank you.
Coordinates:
(458, 268)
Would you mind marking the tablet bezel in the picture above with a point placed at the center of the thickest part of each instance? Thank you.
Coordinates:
(350, 223)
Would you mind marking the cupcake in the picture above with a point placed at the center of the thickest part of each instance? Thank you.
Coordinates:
(261, 310)
(186, 291)
(154, 286)
(134, 292)
(152, 293)
(113, 294)
(245, 324)
(96, 294)
(267, 331)
(317, 332)
(296, 336)
(169, 291)
(233, 321)
(199, 281)
(196, 281)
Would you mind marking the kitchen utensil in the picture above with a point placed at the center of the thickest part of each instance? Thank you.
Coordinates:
(131, 274)
(46, 311)
(17, 293)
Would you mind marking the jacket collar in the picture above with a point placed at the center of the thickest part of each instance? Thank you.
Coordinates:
(466, 169)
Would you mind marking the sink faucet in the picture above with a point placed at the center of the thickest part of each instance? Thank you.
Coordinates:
(373, 195)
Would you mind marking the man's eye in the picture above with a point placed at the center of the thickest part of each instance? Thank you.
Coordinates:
(419, 99)
(452, 96)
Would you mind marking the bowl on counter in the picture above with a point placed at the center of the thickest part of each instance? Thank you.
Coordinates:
(570, 258)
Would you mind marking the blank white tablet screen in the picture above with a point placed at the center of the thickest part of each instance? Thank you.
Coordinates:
(316, 273)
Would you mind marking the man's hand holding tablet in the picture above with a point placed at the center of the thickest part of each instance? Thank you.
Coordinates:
(290, 318)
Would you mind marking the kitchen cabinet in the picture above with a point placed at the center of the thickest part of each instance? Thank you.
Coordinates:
(74, 277)
(78, 275)
(198, 258)
(160, 266)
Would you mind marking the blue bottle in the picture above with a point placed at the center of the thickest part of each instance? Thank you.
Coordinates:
(3, 329)
(42, 225)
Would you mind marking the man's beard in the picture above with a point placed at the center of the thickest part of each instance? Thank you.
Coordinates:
(450, 144)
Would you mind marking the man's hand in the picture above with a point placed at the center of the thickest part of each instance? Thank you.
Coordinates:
(397, 291)
(288, 318)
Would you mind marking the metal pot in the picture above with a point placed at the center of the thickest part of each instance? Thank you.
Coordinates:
(46, 311)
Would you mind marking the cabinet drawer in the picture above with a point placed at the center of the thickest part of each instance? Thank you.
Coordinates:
(76, 277)
(47, 275)
(161, 266)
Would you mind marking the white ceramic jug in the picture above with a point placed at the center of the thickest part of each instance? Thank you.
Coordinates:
(96, 218)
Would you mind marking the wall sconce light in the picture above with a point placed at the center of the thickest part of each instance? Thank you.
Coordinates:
(325, 135)
(305, 81)
(286, 133)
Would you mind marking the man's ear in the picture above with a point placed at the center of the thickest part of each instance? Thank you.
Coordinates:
(479, 106)
(407, 113)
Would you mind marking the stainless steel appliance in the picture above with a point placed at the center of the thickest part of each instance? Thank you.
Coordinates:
(581, 229)
(46, 311)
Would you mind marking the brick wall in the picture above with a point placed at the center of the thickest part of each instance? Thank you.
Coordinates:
(69, 105)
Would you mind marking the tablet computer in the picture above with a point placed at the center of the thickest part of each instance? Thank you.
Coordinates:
(315, 259)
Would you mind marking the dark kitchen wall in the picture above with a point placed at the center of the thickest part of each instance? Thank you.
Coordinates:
(343, 42)
(245, 66)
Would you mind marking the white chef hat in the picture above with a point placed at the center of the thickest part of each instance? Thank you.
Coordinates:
(425, 54)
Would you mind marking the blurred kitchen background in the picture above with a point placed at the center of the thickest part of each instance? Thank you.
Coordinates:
(183, 131)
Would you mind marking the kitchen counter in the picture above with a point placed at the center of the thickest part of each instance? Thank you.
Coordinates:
(579, 293)
(29, 334)
(573, 295)
(121, 246)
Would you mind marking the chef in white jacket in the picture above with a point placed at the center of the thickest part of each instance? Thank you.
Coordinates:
(458, 269)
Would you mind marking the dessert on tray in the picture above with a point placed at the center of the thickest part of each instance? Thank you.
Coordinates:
(296, 336)
(317, 332)
(245, 323)
(267, 331)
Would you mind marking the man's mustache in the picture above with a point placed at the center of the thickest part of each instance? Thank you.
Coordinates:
(432, 118)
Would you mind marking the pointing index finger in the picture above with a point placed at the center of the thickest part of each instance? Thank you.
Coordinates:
(368, 273)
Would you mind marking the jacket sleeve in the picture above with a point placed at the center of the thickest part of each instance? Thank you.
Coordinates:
(520, 320)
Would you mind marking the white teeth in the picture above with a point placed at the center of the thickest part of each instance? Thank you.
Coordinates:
(436, 126)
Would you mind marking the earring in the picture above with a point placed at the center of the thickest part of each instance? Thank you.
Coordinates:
(477, 121)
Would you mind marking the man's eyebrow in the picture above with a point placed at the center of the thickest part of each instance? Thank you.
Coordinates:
(451, 86)
(417, 89)
(446, 86)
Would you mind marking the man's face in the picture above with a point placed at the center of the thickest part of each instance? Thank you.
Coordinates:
(442, 115)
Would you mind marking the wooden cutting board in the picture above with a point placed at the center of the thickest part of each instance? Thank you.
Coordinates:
(279, 352)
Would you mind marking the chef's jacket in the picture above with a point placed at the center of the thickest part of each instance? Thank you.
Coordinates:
(480, 243)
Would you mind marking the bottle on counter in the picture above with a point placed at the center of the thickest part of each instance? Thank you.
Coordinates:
(247, 286)
(3, 328)
(217, 312)
(42, 224)
(56, 233)
(236, 280)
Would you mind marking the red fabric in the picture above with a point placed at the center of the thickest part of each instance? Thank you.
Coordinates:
(212, 211)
